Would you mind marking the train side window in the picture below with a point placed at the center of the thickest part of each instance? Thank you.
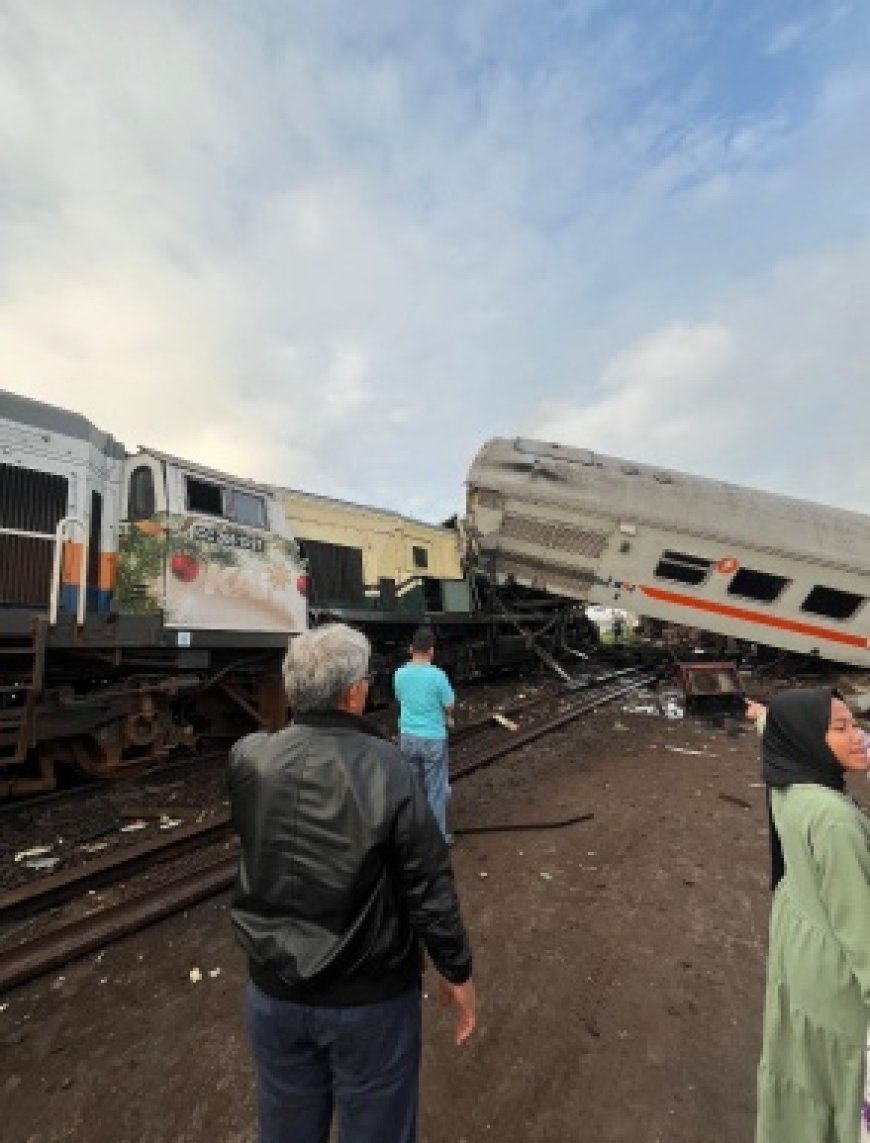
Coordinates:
(682, 567)
(831, 603)
(420, 557)
(758, 585)
(202, 496)
(141, 503)
(248, 509)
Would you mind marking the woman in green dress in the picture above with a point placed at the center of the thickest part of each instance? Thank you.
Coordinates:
(811, 1075)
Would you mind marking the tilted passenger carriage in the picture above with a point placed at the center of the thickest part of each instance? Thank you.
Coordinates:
(751, 565)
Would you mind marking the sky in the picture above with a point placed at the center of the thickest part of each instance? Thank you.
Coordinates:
(338, 246)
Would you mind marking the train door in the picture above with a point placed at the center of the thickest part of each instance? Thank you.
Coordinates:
(142, 543)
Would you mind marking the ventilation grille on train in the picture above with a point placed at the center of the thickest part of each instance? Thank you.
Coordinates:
(30, 501)
(25, 571)
(545, 575)
(551, 536)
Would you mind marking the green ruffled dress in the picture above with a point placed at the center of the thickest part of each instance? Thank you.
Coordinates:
(817, 1005)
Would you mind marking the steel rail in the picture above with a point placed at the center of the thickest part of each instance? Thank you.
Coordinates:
(535, 732)
(54, 949)
(33, 803)
(59, 946)
(555, 693)
(112, 867)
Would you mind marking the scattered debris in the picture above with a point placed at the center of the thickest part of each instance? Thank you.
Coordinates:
(712, 687)
(507, 723)
(672, 709)
(547, 876)
(483, 874)
(169, 823)
(195, 975)
(686, 750)
(41, 864)
(93, 846)
(744, 805)
(39, 858)
(36, 851)
(642, 708)
(133, 827)
(214, 973)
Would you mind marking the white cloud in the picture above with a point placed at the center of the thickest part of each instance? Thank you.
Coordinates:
(340, 245)
(772, 391)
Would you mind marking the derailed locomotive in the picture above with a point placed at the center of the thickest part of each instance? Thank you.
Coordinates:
(146, 601)
(751, 566)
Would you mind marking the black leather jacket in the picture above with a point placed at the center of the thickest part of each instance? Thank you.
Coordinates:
(342, 866)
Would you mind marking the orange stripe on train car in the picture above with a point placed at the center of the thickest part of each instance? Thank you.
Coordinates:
(72, 562)
(749, 616)
(107, 574)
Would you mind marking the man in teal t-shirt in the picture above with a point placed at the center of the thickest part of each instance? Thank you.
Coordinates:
(426, 702)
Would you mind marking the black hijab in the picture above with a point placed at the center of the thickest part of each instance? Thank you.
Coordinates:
(794, 752)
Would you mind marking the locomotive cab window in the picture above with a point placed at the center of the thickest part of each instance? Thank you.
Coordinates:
(203, 496)
(758, 585)
(420, 557)
(831, 603)
(683, 568)
(141, 503)
(248, 509)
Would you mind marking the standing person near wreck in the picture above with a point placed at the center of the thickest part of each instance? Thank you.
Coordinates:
(426, 702)
(811, 1075)
(343, 873)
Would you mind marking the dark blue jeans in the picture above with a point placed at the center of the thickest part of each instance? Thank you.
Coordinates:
(428, 758)
(362, 1060)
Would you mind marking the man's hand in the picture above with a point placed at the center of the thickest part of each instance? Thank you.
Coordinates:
(462, 997)
(754, 710)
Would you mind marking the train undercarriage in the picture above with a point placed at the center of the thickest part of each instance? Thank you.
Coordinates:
(118, 694)
(110, 698)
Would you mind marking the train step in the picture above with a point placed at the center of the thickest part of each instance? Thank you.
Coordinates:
(9, 738)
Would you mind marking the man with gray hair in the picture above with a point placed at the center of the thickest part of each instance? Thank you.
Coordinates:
(343, 874)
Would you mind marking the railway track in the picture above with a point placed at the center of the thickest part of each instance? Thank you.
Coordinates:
(482, 746)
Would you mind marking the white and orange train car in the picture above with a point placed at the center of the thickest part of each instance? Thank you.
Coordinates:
(746, 564)
(145, 601)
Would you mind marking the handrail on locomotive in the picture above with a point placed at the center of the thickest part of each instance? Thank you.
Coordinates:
(58, 538)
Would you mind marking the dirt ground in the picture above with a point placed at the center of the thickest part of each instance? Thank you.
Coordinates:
(619, 964)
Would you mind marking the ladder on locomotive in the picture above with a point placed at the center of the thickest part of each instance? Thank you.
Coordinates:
(22, 670)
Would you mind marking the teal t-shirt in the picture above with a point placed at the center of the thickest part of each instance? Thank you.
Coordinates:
(423, 693)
